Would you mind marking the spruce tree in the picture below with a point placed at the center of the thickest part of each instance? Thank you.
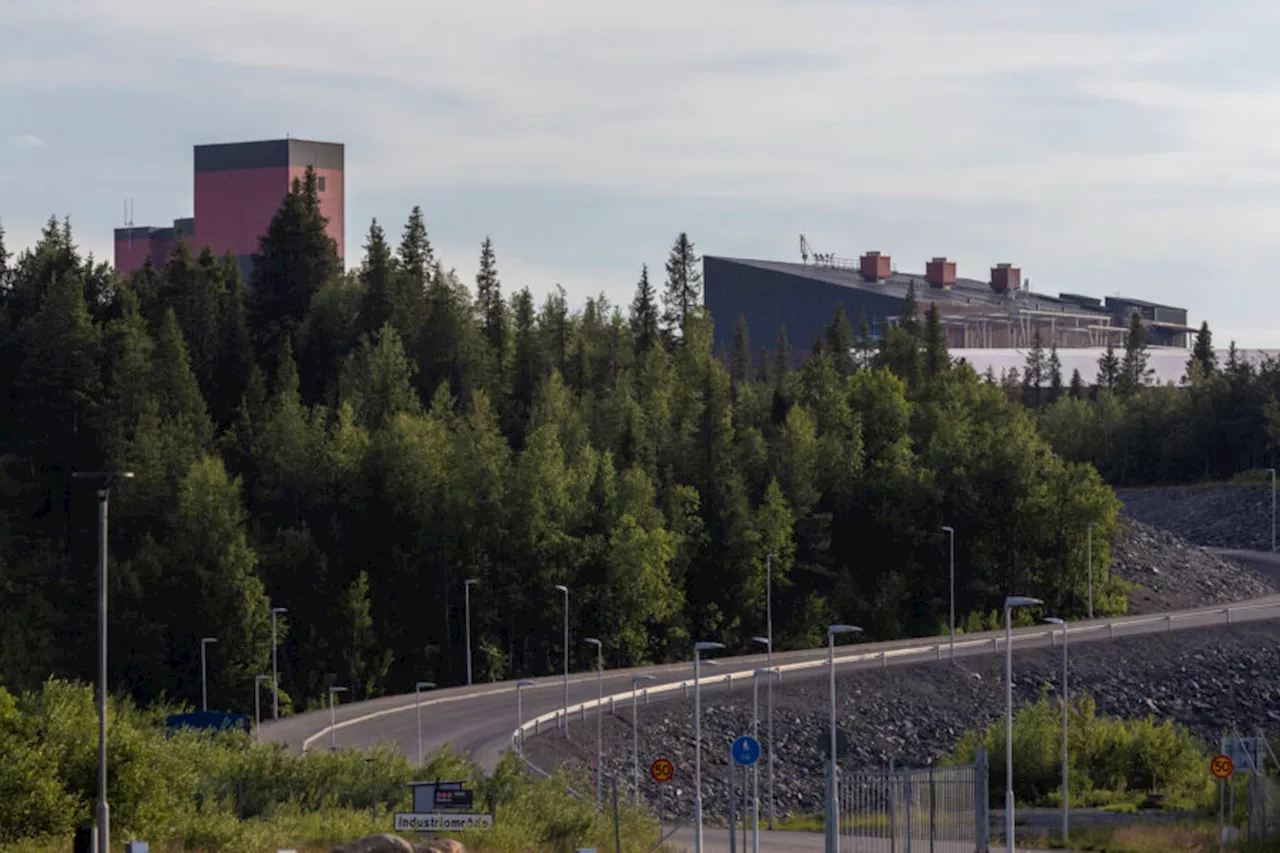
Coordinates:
(415, 254)
(1076, 389)
(295, 258)
(683, 292)
(493, 316)
(378, 306)
(864, 346)
(1108, 369)
(1033, 374)
(740, 354)
(1054, 366)
(936, 358)
(1202, 352)
(909, 313)
(644, 314)
(839, 343)
(782, 357)
(1134, 373)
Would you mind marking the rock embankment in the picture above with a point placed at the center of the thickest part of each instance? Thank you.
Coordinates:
(1213, 516)
(1207, 680)
(1174, 574)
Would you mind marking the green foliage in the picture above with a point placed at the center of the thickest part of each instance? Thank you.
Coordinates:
(1107, 756)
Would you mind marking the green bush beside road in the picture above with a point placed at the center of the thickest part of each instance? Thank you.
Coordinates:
(199, 791)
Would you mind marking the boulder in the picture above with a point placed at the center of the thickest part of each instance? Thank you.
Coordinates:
(440, 845)
(380, 843)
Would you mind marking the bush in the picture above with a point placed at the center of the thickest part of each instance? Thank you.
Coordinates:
(1110, 760)
(191, 790)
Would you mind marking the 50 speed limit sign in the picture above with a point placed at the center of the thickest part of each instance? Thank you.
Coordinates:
(1221, 766)
(662, 770)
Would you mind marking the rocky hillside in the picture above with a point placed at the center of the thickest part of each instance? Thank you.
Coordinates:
(1213, 516)
(1204, 679)
(1174, 574)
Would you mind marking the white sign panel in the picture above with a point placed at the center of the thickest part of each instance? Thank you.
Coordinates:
(441, 822)
(1245, 753)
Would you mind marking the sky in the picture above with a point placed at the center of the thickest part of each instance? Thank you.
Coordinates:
(1104, 146)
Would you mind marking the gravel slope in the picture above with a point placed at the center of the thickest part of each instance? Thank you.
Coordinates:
(1204, 679)
(1213, 516)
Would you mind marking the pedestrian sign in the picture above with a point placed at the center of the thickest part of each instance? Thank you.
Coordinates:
(746, 750)
(662, 770)
(1221, 766)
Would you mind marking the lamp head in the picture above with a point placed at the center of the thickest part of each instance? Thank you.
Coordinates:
(948, 528)
(1054, 620)
(767, 672)
(424, 685)
(636, 678)
(208, 639)
(593, 641)
(1021, 601)
(562, 588)
(470, 581)
(279, 610)
(525, 684)
(707, 646)
(764, 641)
(843, 629)
(337, 690)
(261, 678)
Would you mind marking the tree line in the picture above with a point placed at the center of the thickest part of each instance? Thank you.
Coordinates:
(355, 446)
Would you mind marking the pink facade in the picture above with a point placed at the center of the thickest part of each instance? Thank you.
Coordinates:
(330, 189)
(234, 207)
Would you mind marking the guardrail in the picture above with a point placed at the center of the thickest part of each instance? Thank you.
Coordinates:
(1020, 636)
(935, 646)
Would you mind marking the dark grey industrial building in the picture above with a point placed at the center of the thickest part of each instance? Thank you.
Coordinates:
(996, 313)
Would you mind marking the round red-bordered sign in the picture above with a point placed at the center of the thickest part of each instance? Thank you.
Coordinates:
(1222, 766)
(662, 770)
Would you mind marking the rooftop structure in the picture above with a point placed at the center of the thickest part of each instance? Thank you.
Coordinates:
(238, 187)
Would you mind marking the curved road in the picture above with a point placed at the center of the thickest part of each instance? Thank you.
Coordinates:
(481, 719)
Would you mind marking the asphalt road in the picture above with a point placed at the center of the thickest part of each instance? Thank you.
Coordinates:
(481, 719)
(717, 841)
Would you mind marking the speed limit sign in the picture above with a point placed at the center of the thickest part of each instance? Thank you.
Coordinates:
(662, 770)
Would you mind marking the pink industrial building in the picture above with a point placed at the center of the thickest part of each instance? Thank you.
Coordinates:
(238, 189)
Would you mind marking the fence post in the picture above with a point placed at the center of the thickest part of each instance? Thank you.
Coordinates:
(981, 808)
(933, 811)
(1169, 619)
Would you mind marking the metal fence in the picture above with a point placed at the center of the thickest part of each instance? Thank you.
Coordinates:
(931, 810)
(1264, 807)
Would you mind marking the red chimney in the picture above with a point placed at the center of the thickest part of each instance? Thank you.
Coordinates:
(940, 272)
(1005, 277)
(874, 266)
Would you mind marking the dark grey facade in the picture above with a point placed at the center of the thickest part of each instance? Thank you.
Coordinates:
(268, 154)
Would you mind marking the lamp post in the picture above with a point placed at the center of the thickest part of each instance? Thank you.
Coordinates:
(951, 531)
(635, 734)
(768, 597)
(1010, 603)
(1272, 472)
(257, 706)
(1053, 620)
(1092, 525)
(275, 672)
(833, 814)
(565, 718)
(204, 681)
(107, 480)
(333, 719)
(599, 710)
(755, 726)
(466, 594)
(520, 685)
(698, 649)
(417, 703)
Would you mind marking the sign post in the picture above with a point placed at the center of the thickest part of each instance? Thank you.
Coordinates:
(442, 807)
(1221, 767)
(745, 752)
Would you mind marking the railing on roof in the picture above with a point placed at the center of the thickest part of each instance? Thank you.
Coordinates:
(821, 259)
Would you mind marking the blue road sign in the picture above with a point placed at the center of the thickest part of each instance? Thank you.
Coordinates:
(746, 750)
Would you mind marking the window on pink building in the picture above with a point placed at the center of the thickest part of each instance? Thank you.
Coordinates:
(320, 183)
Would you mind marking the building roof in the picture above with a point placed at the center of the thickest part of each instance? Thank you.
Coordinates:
(965, 294)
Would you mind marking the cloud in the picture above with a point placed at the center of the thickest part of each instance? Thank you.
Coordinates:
(28, 140)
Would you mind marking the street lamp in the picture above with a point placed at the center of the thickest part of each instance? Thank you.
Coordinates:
(599, 710)
(698, 649)
(108, 479)
(1092, 525)
(257, 706)
(204, 681)
(565, 719)
(1010, 603)
(768, 597)
(951, 531)
(520, 685)
(466, 593)
(635, 734)
(1053, 620)
(833, 815)
(417, 692)
(333, 719)
(1272, 472)
(755, 725)
(275, 674)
